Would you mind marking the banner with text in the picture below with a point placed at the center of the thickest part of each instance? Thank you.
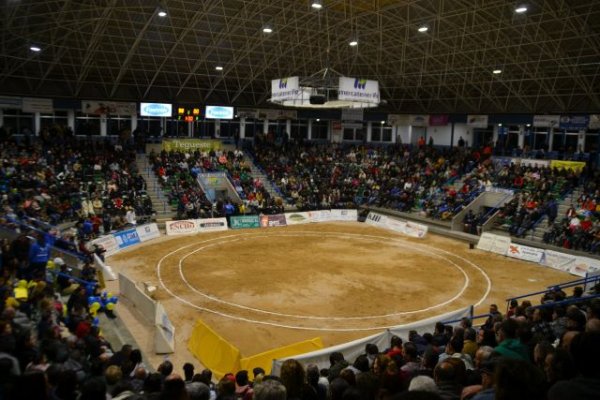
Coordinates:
(33, 105)
(407, 228)
(108, 107)
(477, 121)
(420, 120)
(212, 224)
(244, 222)
(344, 215)
(181, 227)
(127, 238)
(594, 121)
(271, 221)
(574, 122)
(525, 253)
(297, 218)
(439, 119)
(546, 121)
(398, 119)
(108, 243)
(576, 166)
(190, 144)
(147, 232)
(358, 90)
(285, 89)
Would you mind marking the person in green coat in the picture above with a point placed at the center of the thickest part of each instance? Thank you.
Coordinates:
(509, 345)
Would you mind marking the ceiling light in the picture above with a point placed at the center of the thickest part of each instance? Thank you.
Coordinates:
(521, 9)
(267, 29)
(37, 49)
(528, 125)
(499, 124)
(219, 68)
(353, 42)
(382, 122)
(317, 4)
(497, 71)
(318, 119)
(423, 28)
(162, 13)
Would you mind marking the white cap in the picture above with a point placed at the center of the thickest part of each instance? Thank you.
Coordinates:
(59, 261)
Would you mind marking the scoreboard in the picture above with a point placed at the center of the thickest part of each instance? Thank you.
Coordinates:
(188, 114)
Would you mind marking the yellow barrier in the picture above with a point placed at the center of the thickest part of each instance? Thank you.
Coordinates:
(576, 166)
(265, 360)
(213, 351)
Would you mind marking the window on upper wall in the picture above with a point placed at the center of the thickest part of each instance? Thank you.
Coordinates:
(320, 130)
(87, 124)
(381, 133)
(591, 140)
(17, 122)
(117, 124)
(228, 128)
(299, 130)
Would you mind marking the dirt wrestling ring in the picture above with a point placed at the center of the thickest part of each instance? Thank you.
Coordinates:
(310, 286)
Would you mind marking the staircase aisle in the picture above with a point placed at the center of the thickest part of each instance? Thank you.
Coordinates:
(542, 227)
(160, 203)
(256, 172)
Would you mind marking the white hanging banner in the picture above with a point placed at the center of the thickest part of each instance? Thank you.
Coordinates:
(285, 89)
(359, 90)
(546, 121)
(477, 121)
(109, 108)
(594, 121)
(32, 105)
(418, 120)
(398, 119)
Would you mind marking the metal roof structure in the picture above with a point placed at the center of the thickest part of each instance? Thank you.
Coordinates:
(549, 56)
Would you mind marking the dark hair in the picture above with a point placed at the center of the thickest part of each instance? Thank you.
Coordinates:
(166, 368)
(396, 341)
(241, 378)
(457, 344)
(188, 371)
(371, 349)
(517, 379)
(361, 363)
(510, 328)
(410, 349)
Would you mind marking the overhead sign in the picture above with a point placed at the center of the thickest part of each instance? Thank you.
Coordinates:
(594, 121)
(156, 109)
(32, 105)
(439, 120)
(285, 89)
(266, 113)
(574, 122)
(418, 120)
(10, 102)
(546, 121)
(398, 119)
(219, 112)
(477, 121)
(108, 107)
(358, 90)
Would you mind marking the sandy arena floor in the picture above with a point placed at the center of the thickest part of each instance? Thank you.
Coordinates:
(265, 288)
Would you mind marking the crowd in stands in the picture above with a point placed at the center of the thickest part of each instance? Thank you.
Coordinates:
(178, 172)
(579, 228)
(313, 176)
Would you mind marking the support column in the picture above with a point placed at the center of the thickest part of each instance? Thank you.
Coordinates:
(521, 142)
(369, 131)
(242, 127)
(288, 128)
(309, 134)
(37, 123)
(70, 119)
(550, 139)
(103, 125)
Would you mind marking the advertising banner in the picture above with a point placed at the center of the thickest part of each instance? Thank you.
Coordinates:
(181, 227)
(344, 215)
(584, 265)
(108, 107)
(251, 113)
(557, 260)
(11, 102)
(486, 240)
(285, 89)
(272, 115)
(126, 238)
(271, 221)
(147, 232)
(218, 112)
(546, 121)
(156, 109)
(500, 245)
(477, 121)
(297, 218)
(418, 120)
(319, 216)
(594, 121)
(407, 228)
(212, 224)
(525, 253)
(576, 166)
(398, 119)
(416, 230)
(191, 144)
(574, 122)
(360, 90)
(108, 243)
(32, 105)
(530, 162)
(439, 120)
(244, 222)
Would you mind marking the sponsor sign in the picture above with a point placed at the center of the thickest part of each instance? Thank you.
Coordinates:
(244, 222)
(525, 253)
(247, 113)
(108, 107)
(583, 266)
(546, 121)
(477, 121)
(32, 105)
(416, 230)
(352, 114)
(181, 227)
(344, 215)
(398, 119)
(297, 218)
(319, 216)
(576, 166)
(500, 245)
(156, 109)
(486, 240)
(359, 90)
(574, 122)
(439, 120)
(126, 238)
(219, 112)
(418, 120)
(212, 224)
(557, 260)
(11, 102)
(285, 89)
(265, 113)
(147, 232)
(108, 243)
(269, 221)
(594, 121)
(396, 225)
(190, 144)
(530, 162)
